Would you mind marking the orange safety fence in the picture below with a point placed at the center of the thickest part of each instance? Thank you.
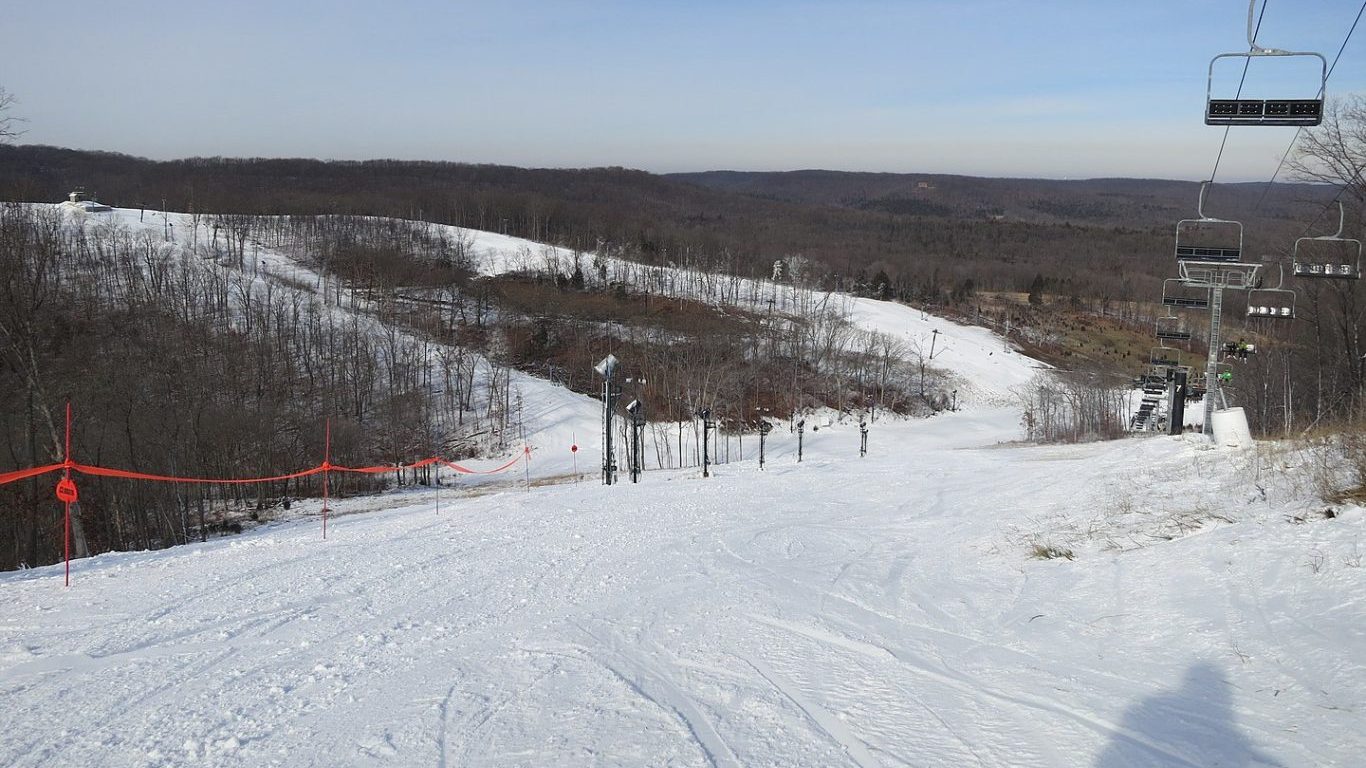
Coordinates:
(67, 493)
(87, 469)
(24, 474)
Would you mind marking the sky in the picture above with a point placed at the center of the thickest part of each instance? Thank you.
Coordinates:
(1054, 89)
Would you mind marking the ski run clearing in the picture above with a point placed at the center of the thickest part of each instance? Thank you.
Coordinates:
(1202, 607)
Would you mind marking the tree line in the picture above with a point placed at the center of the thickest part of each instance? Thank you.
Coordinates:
(177, 361)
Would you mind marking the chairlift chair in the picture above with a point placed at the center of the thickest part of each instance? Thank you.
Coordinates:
(1332, 256)
(1206, 238)
(1164, 356)
(1240, 111)
(1195, 388)
(1272, 303)
(1155, 379)
(1176, 294)
(1172, 329)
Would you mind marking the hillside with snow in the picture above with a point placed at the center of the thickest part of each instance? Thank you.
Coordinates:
(954, 598)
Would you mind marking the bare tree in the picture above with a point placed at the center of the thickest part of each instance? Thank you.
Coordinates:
(9, 124)
(1335, 152)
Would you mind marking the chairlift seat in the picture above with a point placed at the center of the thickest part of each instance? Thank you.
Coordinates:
(1339, 271)
(1303, 112)
(1271, 303)
(1199, 253)
(1330, 256)
(1275, 313)
(1171, 329)
(1298, 112)
(1185, 303)
(1207, 238)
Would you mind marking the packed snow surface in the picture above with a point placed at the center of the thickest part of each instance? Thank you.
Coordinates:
(1199, 609)
(840, 611)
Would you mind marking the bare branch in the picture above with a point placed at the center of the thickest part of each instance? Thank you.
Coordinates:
(1335, 152)
(9, 130)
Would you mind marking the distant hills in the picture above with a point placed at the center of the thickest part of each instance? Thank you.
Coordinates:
(931, 234)
(1100, 202)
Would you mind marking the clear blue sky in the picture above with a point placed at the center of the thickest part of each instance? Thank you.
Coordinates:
(1066, 89)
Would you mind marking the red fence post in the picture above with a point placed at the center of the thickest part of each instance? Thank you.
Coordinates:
(62, 491)
(327, 468)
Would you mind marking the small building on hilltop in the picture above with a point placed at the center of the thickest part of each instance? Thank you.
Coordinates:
(80, 200)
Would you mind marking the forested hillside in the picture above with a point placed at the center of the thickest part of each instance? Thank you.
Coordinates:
(228, 346)
(1090, 239)
(184, 350)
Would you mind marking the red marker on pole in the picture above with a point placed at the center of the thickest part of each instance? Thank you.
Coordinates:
(66, 492)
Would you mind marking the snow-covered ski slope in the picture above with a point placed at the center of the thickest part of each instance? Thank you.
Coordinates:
(883, 610)
(988, 368)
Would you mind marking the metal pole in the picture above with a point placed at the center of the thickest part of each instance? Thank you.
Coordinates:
(706, 426)
(636, 424)
(863, 438)
(607, 431)
(800, 428)
(763, 434)
(640, 445)
(1216, 303)
(635, 452)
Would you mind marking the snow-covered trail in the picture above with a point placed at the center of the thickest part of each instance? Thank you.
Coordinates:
(841, 611)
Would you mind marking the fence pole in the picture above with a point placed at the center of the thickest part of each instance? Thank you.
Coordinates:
(66, 478)
(327, 467)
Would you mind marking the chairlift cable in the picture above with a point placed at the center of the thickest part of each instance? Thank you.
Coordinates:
(1294, 140)
(1241, 80)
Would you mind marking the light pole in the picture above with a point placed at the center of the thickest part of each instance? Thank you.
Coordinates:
(933, 338)
(637, 424)
(637, 411)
